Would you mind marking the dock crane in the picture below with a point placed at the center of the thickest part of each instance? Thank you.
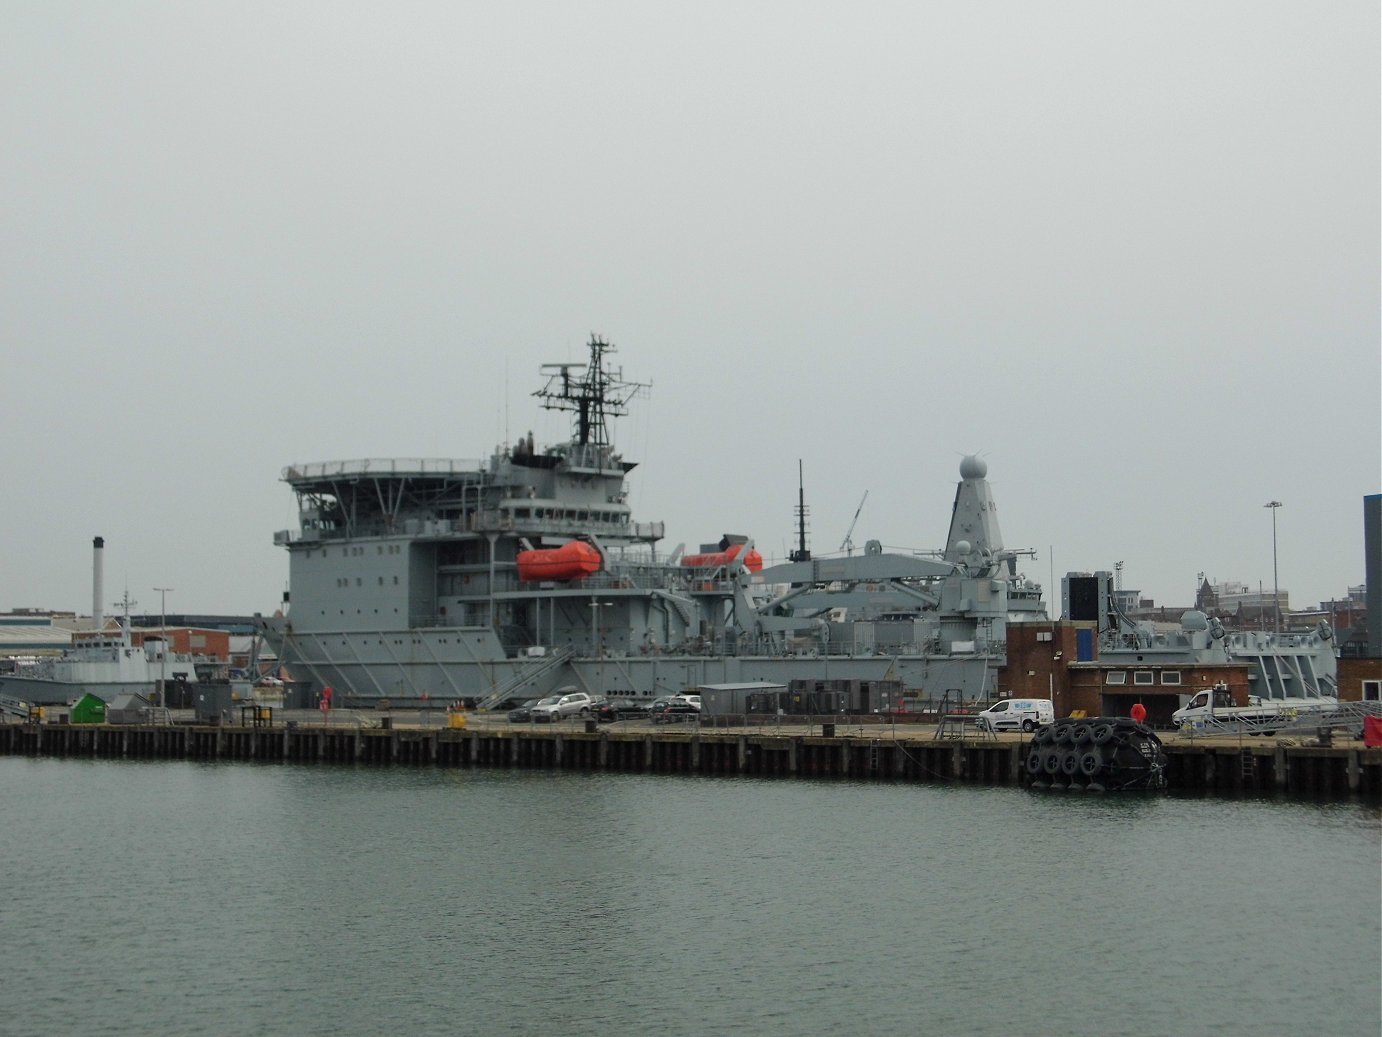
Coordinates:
(847, 545)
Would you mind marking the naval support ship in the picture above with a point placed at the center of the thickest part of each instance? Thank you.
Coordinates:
(486, 581)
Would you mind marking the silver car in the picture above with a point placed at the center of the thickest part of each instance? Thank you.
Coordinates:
(560, 707)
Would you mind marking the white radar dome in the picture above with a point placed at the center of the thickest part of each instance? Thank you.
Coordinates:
(973, 467)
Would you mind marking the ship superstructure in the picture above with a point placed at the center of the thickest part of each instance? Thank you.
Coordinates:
(1298, 665)
(416, 580)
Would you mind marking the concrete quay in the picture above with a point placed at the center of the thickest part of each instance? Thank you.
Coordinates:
(1345, 770)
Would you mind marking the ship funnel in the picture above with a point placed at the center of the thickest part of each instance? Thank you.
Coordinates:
(98, 590)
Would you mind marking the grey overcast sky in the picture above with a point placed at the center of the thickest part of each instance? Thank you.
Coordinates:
(1128, 252)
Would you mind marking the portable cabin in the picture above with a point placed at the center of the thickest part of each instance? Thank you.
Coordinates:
(129, 708)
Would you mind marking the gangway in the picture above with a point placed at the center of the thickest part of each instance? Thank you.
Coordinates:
(14, 708)
(1347, 716)
(524, 675)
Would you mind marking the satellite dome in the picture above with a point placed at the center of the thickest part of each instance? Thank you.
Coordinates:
(973, 467)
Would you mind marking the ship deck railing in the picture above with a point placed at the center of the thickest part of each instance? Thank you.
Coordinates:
(381, 467)
(477, 523)
(748, 648)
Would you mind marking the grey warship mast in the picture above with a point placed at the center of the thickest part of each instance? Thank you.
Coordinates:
(418, 580)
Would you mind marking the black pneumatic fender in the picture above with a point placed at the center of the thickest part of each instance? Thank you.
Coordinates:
(1112, 754)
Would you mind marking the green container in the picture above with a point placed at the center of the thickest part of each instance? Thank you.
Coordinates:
(88, 710)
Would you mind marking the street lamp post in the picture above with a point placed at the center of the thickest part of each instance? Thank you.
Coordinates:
(163, 647)
(1276, 586)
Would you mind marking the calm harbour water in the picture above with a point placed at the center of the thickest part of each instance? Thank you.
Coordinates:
(235, 899)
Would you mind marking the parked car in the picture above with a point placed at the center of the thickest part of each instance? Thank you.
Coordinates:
(674, 709)
(524, 714)
(621, 709)
(560, 707)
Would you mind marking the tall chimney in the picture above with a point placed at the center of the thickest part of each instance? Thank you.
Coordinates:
(98, 590)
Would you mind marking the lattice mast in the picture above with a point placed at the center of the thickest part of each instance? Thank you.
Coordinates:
(594, 394)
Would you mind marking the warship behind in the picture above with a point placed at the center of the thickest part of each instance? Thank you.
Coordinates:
(425, 580)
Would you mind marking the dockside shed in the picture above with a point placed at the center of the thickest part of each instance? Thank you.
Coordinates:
(736, 699)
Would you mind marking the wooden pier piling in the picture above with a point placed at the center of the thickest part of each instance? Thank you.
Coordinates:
(1333, 772)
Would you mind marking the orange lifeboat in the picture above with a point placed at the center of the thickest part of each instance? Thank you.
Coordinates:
(753, 561)
(572, 561)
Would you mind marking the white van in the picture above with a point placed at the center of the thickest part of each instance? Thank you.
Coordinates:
(1015, 714)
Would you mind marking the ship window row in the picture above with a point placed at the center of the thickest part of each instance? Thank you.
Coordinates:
(1142, 678)
(344, 581)
(356, 552)
(572, 515)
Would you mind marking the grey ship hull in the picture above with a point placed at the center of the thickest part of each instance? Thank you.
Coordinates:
(358, 679)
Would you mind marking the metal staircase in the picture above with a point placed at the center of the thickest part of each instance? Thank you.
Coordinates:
(525, 675)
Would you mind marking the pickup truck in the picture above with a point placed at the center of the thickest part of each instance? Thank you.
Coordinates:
(1215, 706)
